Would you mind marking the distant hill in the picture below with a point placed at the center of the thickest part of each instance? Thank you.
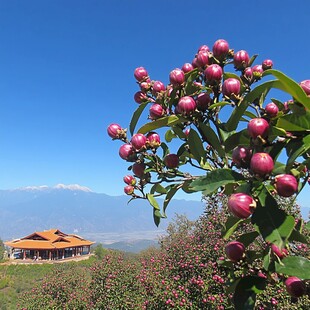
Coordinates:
(76, 209)
(134, 246)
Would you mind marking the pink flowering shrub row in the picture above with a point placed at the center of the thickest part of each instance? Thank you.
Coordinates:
(189, 271)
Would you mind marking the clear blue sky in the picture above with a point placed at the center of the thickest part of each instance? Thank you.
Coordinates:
(66, 73)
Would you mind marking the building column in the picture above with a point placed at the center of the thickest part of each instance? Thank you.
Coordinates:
(24, 254)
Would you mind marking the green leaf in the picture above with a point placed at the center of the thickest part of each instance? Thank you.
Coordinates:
(273, 224)
(210, 136)
(230, 226)
(170, 135)
(219, 104)
(252, 60)
(245, 292)
(158, 188)
(136, 117)
(236, 139)
(296, 149)
(172, 189)
(307, 226)
(294, 266)
(156, 216)
(152, 201)
(214, 180)
(196, 146)
(295, 122)
(291, 87)
(297, 236)
(167, 121)
(239, 110)
(248, 238)
(227, 75)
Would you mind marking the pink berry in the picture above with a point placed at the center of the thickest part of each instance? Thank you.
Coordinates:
(138, 169)
(286, 185)
(305, 85)
(241, 60)
(271, 109)
(177, 77)
(257, 71)
(213, 73)
(203, 101)
(158, 87)
(231, 86)
(220, 49)
(295, 287)
(202, 58)
(203, 48)
(156, 111)
(115, 131)
(241, 156)
(130, 180)
(187, 67)
(241, 205)
(127, 152)
(235, 250)
(129, 189)
(153, 139)
(258, 127)
(279, 252)
(248, 73)
(261, 164)
(140, 74)
(140, 97)
(171, 161)
(186, 105)
(267, 64)
(138, 141)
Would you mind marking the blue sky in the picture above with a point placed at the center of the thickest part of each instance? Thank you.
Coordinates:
(66, 73)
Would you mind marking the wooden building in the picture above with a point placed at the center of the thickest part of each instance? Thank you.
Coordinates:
(49, 244)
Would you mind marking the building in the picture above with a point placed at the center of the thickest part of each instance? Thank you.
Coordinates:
(50, 245)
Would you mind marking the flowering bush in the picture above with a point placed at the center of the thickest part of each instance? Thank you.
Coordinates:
(242, 145)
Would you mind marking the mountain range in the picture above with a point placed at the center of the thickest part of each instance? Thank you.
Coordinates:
(77, 209)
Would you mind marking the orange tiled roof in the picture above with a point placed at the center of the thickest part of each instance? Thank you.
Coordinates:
(48, 240)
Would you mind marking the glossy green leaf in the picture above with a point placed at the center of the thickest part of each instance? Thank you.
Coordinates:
(158, 188)
(219, 104)
(245, 292)
(214, 180)
(166, 121)
(152, 201)
(210, 136)
(169, 135)
(252, 59)
(171, 190)
(236, 139)
(297, 236)
(136, 116)
(248, 238)
(296, 149)
(228, 75)
(230, 226)
(239, 110)
(156, 217)
(273, 224)
(294, 266)
(295, 122)
(195, 145)
(291, 87)
(307, 226)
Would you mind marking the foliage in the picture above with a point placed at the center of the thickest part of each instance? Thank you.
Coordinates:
(189, 271)
(2, 249)
(208, 134)
(99, 251)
